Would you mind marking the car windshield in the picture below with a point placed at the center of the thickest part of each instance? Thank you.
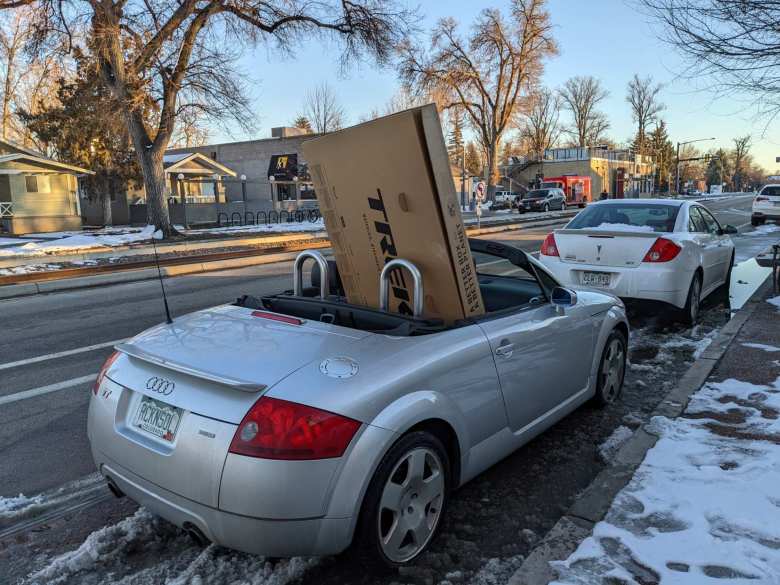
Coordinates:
(538, 193)
(771, 190)
(655, 216)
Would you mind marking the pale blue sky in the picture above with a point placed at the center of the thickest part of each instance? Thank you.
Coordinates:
(608, 39)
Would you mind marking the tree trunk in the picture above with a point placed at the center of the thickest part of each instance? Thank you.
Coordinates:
(105, 196)
(9, 68)
(156, 192)
(491, 169)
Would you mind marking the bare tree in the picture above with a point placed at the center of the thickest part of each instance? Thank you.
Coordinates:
(733, 44)
(581, 97)
(540, 125)
(740, 159)
(490, 75)
(161, 57)
(643, 97)
(323, 110)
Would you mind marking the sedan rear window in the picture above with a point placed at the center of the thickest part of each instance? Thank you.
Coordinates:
(771, 190)
(659, 217)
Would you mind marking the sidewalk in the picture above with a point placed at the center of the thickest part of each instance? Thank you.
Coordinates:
(703, 502)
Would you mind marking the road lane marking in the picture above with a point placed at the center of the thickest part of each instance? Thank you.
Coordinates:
(64, 385)
(59, 354)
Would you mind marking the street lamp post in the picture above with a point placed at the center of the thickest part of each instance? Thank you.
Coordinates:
(183, 196)
(243, 192)
(677, 173)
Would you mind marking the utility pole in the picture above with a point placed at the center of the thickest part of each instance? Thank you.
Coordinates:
(679, 144)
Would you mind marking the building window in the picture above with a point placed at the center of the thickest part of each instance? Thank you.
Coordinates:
(31, 182)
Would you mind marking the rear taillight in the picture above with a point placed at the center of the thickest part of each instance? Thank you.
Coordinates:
(762, 198)
(278, 429)
(549, 247)
(102, 373)
(663, 250)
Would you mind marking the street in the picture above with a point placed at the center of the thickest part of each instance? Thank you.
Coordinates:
(54, 345)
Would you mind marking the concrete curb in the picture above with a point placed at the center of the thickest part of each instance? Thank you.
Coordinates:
(11, 291)
(594, 502)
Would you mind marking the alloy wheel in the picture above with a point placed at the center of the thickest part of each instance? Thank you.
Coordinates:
(411, 504)
(695, 300)
(612, 370)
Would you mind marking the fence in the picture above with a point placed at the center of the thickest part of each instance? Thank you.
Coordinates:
(6, 209)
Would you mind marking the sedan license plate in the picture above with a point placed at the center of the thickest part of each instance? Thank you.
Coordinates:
(596, 278)
(157, 418)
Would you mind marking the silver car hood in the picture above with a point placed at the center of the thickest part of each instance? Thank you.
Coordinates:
(225, 357)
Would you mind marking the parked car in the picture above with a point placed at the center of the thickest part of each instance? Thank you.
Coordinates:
(766, 205)
(658, 249)
(543, 200)
(297, 424)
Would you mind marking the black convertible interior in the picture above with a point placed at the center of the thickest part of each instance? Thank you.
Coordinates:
(500, 294)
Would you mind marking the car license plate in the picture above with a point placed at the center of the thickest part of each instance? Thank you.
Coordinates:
(596, 278)
(157, 418)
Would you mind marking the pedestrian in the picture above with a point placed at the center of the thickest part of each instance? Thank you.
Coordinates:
(604, 195)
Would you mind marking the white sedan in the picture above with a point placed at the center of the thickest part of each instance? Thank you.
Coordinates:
(766, 205)
(656, 249)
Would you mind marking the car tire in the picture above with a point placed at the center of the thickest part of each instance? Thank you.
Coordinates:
(755, 222)
(563, 206)
(690, 313)
(612, 369)
(546, 207)
(403, 490)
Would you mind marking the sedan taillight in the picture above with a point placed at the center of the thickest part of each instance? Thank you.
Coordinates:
(549, 246)
(663, 250)
(762, 198)
(103, 370)
(278, 429)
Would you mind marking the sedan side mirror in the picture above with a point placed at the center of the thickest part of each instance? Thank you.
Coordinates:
(729, 229)
(562, 298)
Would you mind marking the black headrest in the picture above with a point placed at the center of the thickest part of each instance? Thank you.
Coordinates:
(333, 276)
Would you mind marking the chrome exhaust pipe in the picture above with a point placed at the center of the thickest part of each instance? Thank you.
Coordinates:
(113, 488)
(196, 534)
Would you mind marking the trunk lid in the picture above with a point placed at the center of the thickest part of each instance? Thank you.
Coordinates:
(617, 248)
(221, 360)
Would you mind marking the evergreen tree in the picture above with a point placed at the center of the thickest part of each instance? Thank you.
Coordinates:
(84, 129)
(474, 162)
(303, 123)
(718, 168)
(662, 151)
(455, 138)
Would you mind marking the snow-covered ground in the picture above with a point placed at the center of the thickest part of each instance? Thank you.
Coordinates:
(80, 241)
(20, 506)
(703, 506)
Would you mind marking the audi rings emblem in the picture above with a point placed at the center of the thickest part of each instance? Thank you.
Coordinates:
(160, 385)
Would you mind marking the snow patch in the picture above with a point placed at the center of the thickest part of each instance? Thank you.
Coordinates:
(766, 348)
(703, 504)
(622, 227)
(80, 241)
(609, 448)
(774, 301)
(20, 506)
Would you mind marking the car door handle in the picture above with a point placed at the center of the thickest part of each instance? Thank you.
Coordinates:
(505, 349)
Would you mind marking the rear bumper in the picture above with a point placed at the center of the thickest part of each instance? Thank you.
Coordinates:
(283, 538)
(648, 282)
(766, 212)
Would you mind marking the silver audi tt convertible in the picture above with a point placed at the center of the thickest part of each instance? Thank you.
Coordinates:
(299, 424)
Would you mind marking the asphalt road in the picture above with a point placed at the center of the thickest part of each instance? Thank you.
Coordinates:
(42, 438)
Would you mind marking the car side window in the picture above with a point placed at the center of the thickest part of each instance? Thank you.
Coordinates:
(713, 226)
(504, 285)
(696, 222)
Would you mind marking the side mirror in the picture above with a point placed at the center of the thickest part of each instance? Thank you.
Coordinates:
(729, 229)
(562, 298)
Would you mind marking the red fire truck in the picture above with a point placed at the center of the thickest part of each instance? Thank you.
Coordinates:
(576, 187)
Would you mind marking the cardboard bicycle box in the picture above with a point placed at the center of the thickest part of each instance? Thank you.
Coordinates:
(385, 191)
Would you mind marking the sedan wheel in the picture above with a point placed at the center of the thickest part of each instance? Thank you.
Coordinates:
(546, 207)
(406, 499)
(563, 206)
(612, 369)
(690, 313)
